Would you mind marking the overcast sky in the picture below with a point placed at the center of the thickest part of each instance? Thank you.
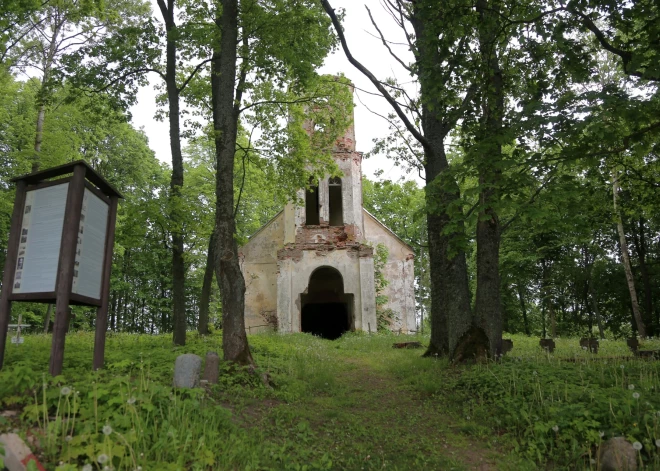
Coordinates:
(366, 47)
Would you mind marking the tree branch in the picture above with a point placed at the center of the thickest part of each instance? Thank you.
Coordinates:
(506, 225)
(192, 74)
(382, 38)
(411, 128)
(241, 80)
(626, 56)
(127, 74)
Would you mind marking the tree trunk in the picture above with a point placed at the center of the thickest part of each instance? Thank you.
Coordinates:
(451, 316)
(44, 93)
(548, 306)
(588, 311)
(113, 310)
(523, 308)
(49, 311)
(594, 306)
(38, 138)
(544, 331)
(450, 297)
(225, 123)
(553, 320)
(544, 296)
(115, 313)
(488, 304)
(640, 248)
(585, 291)
(205, 299)
(176, 182)
(164, 318)
(625, 257)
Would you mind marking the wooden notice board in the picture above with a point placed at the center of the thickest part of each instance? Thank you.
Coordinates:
(60, 249)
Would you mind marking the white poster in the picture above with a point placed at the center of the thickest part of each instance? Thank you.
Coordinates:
(41, 236)
(90, 251)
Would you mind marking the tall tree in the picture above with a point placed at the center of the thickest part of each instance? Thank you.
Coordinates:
(121, 63)
(176, 211)
(57, 29)
(488, 306)
(625, 258)
(271, 58)
(440, 50)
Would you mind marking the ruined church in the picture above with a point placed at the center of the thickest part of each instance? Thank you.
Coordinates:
(311, 267)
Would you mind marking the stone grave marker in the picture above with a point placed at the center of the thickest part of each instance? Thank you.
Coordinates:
(186, 371)
(211, 368)
(547, 345)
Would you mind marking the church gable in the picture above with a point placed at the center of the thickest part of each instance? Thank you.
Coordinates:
(399, 272)
(264, 244)
(376, 232)
(259, 265)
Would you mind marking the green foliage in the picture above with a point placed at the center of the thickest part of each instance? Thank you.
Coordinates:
(333, 404)
(299, 148)
(14, 23)
(551, 408)
(384, 317)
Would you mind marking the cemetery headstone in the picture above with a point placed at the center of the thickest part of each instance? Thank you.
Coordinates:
(547, 345)
(186, 371)
(633, 344)
(211, 368)
(648, 354)
(589, 344)
(617, 454)
(407, 345)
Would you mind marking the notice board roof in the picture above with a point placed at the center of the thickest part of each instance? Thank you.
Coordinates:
(90, 174)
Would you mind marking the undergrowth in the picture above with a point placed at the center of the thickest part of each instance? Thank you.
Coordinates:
(554, 409)
(540, 409)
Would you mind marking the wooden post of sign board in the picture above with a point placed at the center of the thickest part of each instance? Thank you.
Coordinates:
(74, 201)
(102, 311)
(10, 261)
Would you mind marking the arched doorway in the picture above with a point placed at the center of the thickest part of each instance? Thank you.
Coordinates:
(326, 310)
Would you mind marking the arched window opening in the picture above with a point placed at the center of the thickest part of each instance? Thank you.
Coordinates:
(312, 206)
(335, 203)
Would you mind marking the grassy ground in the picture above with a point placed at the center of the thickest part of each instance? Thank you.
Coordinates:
(355, 403)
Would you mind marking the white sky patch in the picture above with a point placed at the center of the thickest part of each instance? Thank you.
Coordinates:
(366, 47)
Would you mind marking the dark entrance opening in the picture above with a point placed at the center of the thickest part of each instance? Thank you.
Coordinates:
(326, 310)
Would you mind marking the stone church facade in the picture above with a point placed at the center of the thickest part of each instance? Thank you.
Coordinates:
(311, 267)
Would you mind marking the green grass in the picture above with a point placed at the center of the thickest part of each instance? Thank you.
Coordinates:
(355, 403)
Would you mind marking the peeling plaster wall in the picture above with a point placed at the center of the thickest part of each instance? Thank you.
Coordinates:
(259, 266)
(351, 190)
(270, 268)
(399, 271)
(295, 266)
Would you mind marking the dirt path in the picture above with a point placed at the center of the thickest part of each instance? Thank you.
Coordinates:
(359, 415)
(422, 423)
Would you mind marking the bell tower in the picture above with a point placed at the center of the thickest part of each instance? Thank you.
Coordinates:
(334, 201)
(325, 245)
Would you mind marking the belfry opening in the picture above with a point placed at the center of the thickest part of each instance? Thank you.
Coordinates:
(326, 310)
